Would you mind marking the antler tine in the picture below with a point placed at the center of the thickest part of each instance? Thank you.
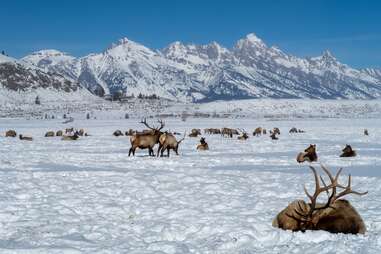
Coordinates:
(162, 124)
(318, 190)
(144, 121)
(348, 190)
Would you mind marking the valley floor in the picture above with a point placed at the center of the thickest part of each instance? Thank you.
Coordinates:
(89, 196)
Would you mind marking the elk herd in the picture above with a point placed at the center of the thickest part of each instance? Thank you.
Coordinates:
(336, 215)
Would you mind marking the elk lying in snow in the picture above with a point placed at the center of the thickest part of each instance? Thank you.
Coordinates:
(11, 133)
(203, 145)
(258, 131)
(168, 141)
(335, 216)
(243, 136)
(49, 134)
(194, 133)
(59, 133)
(130, 132)
(366, 133)
(212, 131)
(118, 133)
(146, 140)
(273, 136)
(294, 130)
(309, 154)
(348, 152)
(27, 138)
(70, 137)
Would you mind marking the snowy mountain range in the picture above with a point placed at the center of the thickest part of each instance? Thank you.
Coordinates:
(197, 73)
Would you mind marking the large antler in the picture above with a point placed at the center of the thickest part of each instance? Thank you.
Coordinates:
(144, 121)
(162, 124)
(333, 197)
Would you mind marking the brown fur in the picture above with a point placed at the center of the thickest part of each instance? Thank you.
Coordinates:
(194, 133)
(49, 134)
(309, 154)
(348, 152)
(244, 136)
(59, 133)
(168, 141)
(336, 216)
(203, 145)
(11, 133)
(146, 140)
(258, 131)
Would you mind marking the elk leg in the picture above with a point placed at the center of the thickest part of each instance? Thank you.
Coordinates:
(158, 150)
(168, 151)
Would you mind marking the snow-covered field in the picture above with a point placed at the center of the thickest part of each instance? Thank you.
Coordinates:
(89, 196)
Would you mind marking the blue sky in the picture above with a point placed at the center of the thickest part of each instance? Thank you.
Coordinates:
(351, 30)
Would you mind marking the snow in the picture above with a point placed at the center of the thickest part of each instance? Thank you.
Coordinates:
(90, 197)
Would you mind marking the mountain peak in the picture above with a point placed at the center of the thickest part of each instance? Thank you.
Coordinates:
(252, 37)
(49, 52)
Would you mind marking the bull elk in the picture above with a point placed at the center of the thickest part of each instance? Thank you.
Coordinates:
(146, 140)
(203, 145)
(168, 141)
(309, 154)
(335, 216)
(27, 138)
(11, 133)
(348, 152)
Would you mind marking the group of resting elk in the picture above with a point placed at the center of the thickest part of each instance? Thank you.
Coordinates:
(336, 215)
(68, 134)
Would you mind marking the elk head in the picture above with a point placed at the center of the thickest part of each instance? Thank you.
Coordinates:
(335, 215)
(155, 130)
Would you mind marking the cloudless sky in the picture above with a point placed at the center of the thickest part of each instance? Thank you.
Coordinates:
(351, 30)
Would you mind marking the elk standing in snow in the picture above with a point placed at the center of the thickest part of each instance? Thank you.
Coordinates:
(146, 140)
(258, 131)
(335, 216)
(168, 141)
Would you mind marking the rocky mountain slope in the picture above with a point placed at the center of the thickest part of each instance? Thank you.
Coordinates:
(197, 73)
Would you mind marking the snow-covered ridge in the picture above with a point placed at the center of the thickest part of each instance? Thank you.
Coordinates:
(189, 72)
